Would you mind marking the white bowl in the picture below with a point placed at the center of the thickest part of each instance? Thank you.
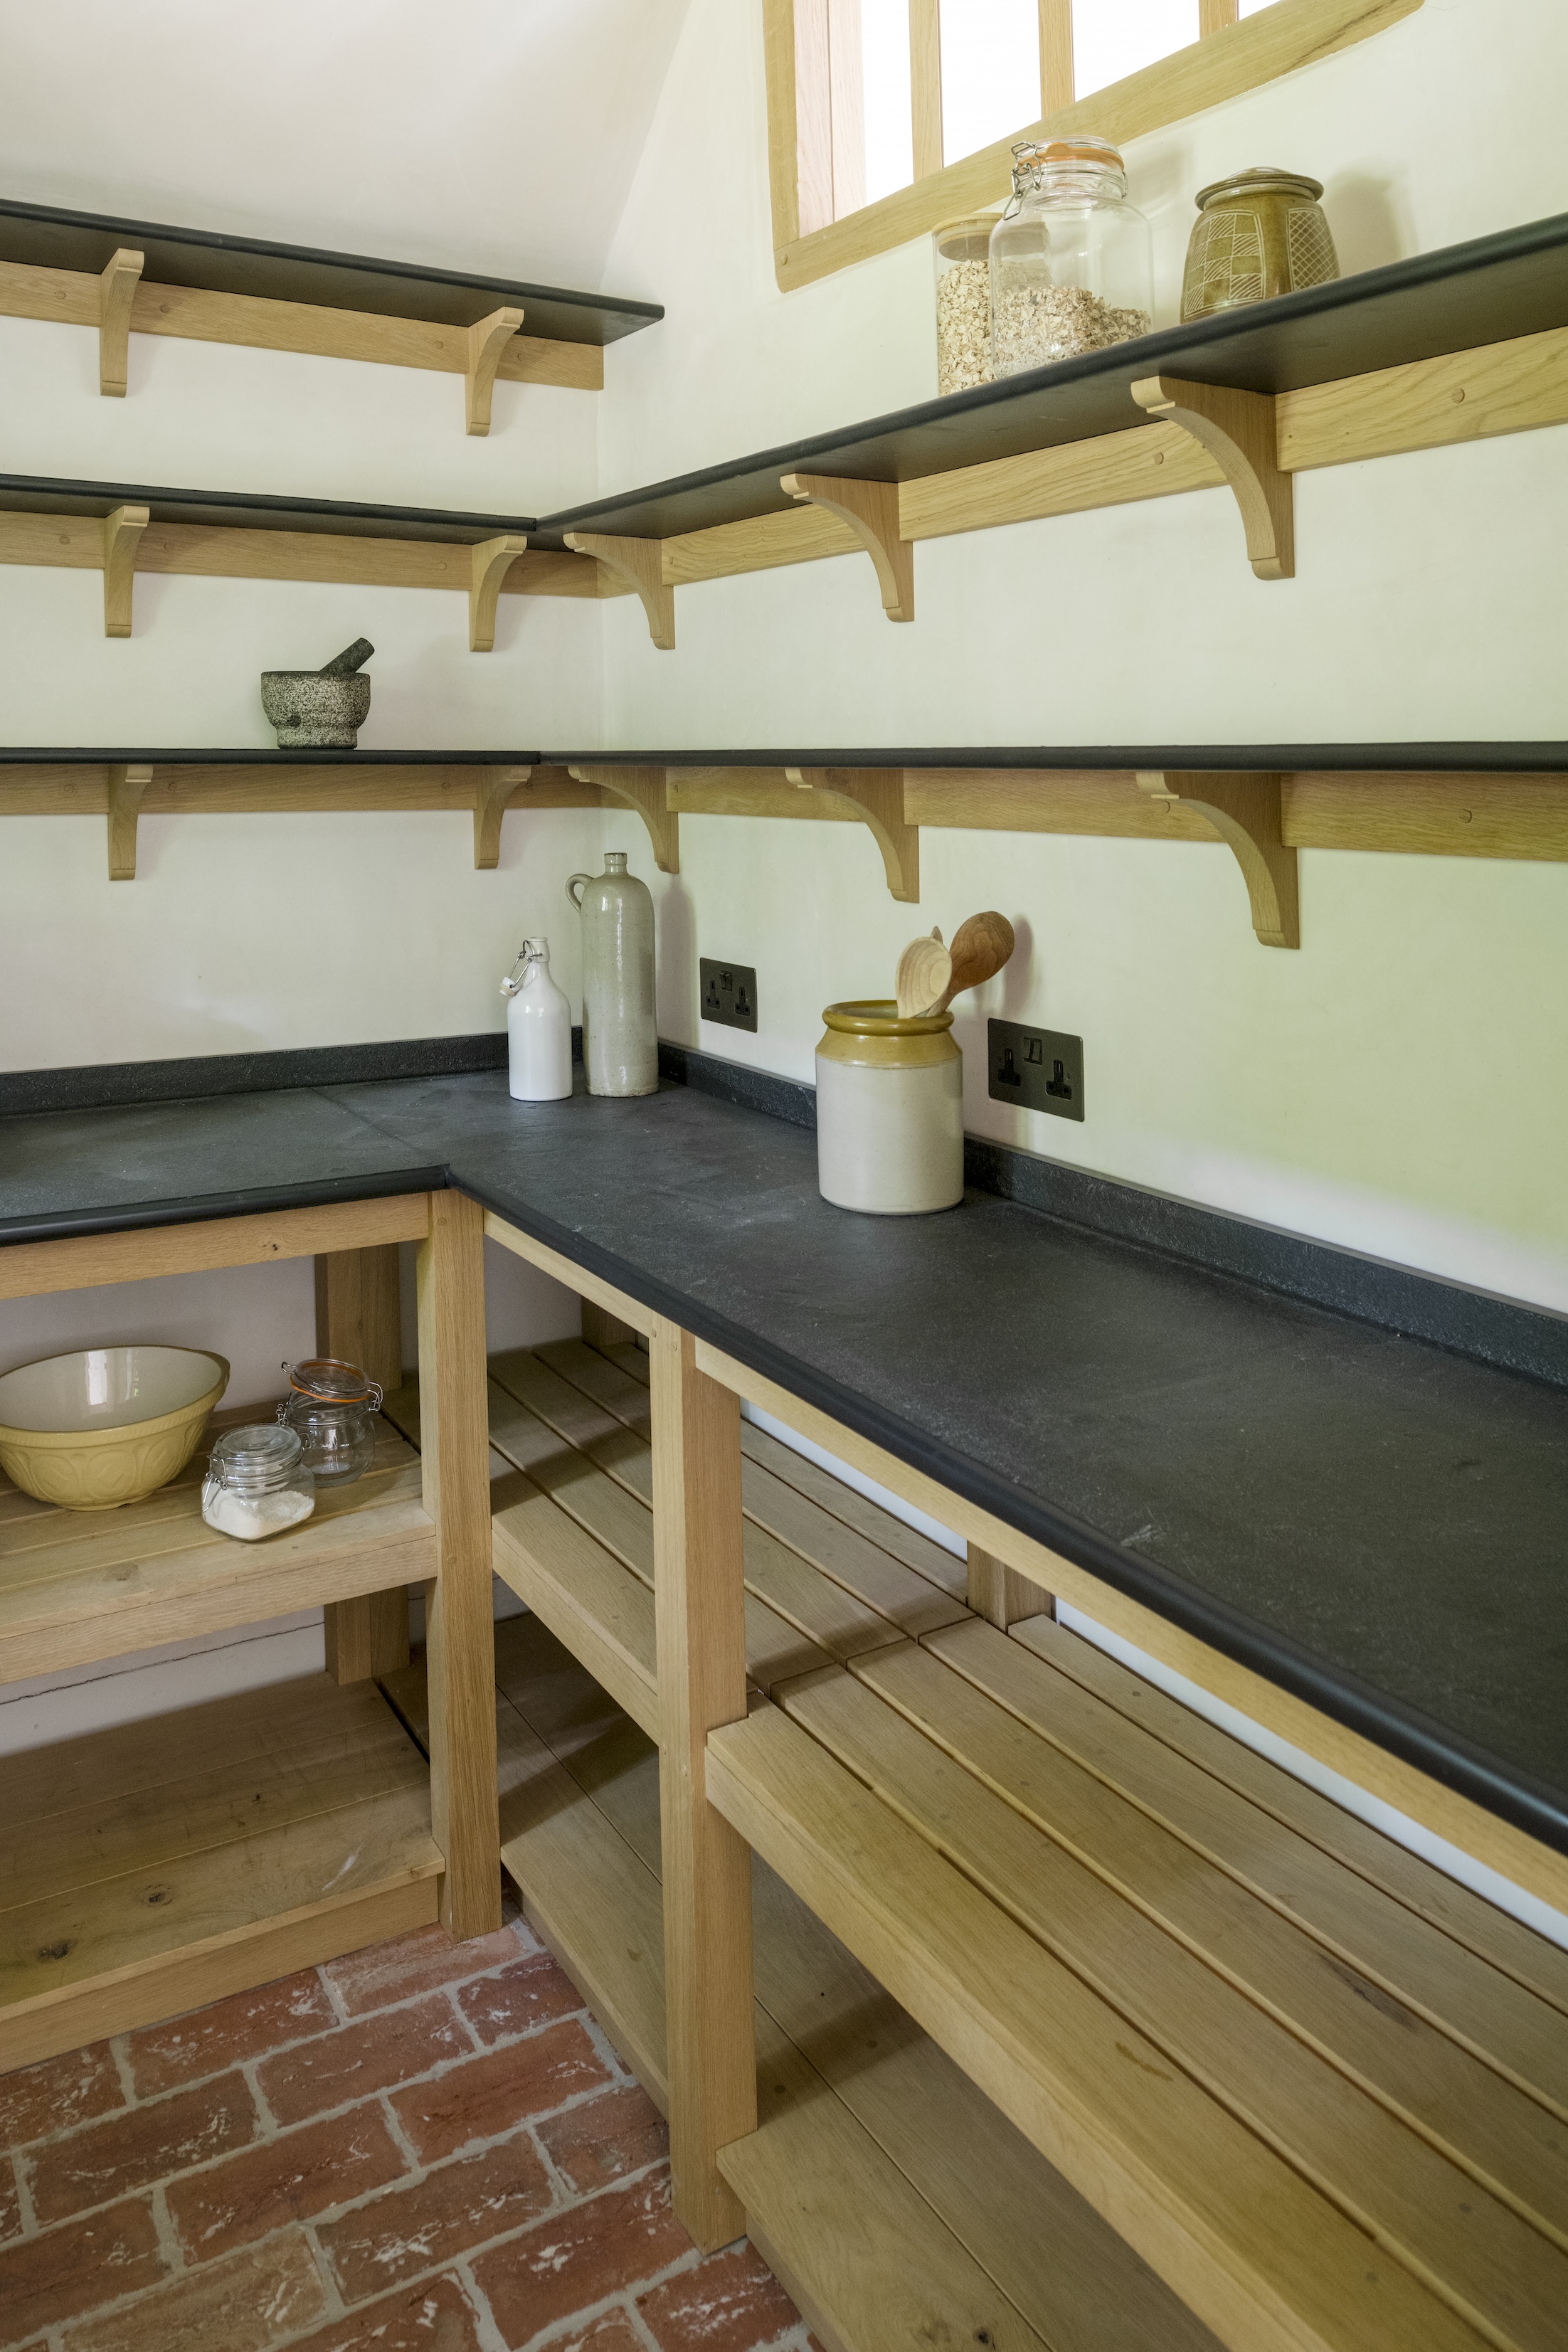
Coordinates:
(104, 1426)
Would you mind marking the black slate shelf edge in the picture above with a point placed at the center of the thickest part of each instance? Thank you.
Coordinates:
(1532, 757)
(205, 1208)
(263, 756)
(253, 510)
(1490, 290)
(45, 236)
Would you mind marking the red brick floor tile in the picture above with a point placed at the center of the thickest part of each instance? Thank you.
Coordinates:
(605, 2138)
(289, 2179)
(10, 2203)
(571, 2260)
(38, 2101)
(495, 2093)
(184, 2049)
(71, 2270)
(528, 1994)
(355, 2060)
(420, 1962)
(143, 2145)
(730, 2303)
(435, 2317)
(243, 2304)
(611, 2332)
(412, 2227)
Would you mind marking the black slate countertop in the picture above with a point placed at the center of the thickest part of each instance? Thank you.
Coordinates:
(1375, 1523)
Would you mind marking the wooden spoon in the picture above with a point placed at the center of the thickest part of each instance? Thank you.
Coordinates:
(925, 970)
(980, 948)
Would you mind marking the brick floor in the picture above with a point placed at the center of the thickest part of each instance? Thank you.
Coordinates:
(428, 2146)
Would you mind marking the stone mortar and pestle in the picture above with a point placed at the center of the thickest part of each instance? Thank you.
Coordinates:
(320, 709)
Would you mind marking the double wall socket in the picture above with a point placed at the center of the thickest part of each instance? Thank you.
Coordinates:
(728, 993)
(1041, 1069)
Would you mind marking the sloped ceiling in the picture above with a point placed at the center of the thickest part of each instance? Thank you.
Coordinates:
(494, 134)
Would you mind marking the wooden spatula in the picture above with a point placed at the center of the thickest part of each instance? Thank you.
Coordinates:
(980, 946)
(925, 970)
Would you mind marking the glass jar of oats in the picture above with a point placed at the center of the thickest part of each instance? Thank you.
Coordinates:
(963, 249)
(1072, 266)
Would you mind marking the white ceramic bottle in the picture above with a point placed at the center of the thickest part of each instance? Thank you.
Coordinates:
(620, 1038)
(537, 1028)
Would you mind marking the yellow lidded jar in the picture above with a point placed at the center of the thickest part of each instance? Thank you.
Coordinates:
(889, 1111)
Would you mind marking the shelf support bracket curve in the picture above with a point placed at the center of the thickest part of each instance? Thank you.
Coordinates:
(121, 536)
(875, 795)
(493, 787)
(637, 564)
(126, 787)
(1246, 812)
(492, 559)
(642, 789)
(871, 512)
(117, 284)
(1238, 429)
(487, 340)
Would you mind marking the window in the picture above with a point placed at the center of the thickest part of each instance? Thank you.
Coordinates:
(886, 117)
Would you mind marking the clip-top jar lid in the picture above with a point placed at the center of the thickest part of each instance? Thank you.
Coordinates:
(328, 1380)
(257, 1459)
(1034, 153)
(1259, 179)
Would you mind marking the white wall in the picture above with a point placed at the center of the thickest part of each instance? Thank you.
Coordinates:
(1399, 1085)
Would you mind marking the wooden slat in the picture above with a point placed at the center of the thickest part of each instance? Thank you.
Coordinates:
(1386, 1872)
(590, 1600)
(562, 1269)
(1263, 2259)
(240, 789)
(29, 1269)
(1428, 816)
(1507, 387)
(1338, 2075)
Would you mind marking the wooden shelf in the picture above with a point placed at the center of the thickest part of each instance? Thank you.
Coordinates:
(122, 528)
(1450, 346)
(78, 1586)
(894, 2201)
(128, 277)
(160, 1866)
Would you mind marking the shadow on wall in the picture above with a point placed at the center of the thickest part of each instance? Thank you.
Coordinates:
(675, 987)
(971, 1013)
(1367, 219)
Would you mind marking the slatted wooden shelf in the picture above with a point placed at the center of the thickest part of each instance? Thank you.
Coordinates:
(1321, 2089)
(79, 1586)
(1450, 346)
(150, 277)
(149, 1868)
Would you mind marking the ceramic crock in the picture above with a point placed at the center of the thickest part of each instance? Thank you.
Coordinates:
(889, 1111)
(1261, 234)
(620, 1036)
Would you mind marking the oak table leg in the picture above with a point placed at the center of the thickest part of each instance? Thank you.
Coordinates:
(460, 1638)
(1001, 1595)
(700, 1605)
(359, 1318)
(603, 1329)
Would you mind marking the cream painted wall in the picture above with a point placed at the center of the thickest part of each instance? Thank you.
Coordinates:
(1401, 1084)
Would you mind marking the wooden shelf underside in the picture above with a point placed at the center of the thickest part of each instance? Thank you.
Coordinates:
(77, 1586)
(140, 1879)
(1081, 1891)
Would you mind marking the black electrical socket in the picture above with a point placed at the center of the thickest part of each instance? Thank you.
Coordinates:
(728, 994)
(1041, 1069)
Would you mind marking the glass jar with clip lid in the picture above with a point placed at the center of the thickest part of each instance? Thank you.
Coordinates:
(329, 1406)
(256, 1483)
(1072, 266)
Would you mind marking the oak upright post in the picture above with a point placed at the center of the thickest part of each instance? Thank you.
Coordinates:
(460, 1640)
(699, 1611)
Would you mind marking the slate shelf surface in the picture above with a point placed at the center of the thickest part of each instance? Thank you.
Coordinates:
(1465, 759)
(1375, 1523)
(112, 755)
(48, 237)
(1488, 290)
(253, 511)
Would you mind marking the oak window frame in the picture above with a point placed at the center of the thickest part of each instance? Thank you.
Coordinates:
(821, 222)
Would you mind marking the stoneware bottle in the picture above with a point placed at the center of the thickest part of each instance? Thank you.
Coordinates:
(620, 1039)
(889, 1111)
(537, 1028)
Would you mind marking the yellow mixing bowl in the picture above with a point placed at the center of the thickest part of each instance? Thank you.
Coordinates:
(105, 1425)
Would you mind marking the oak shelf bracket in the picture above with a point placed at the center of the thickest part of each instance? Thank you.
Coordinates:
(487, 340)
(126, 784)
(123, 533)
(638, 564)
(1247, 812)
(118, 281)
(642, 789)
(875, 795)
(871, 512)
(1239, 431)
(493, 788)
(492, 559)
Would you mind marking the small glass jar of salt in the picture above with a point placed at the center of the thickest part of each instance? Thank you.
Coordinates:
(256, 1483)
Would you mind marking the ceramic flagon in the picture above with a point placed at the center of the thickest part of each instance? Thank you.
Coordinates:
(620, 1036)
